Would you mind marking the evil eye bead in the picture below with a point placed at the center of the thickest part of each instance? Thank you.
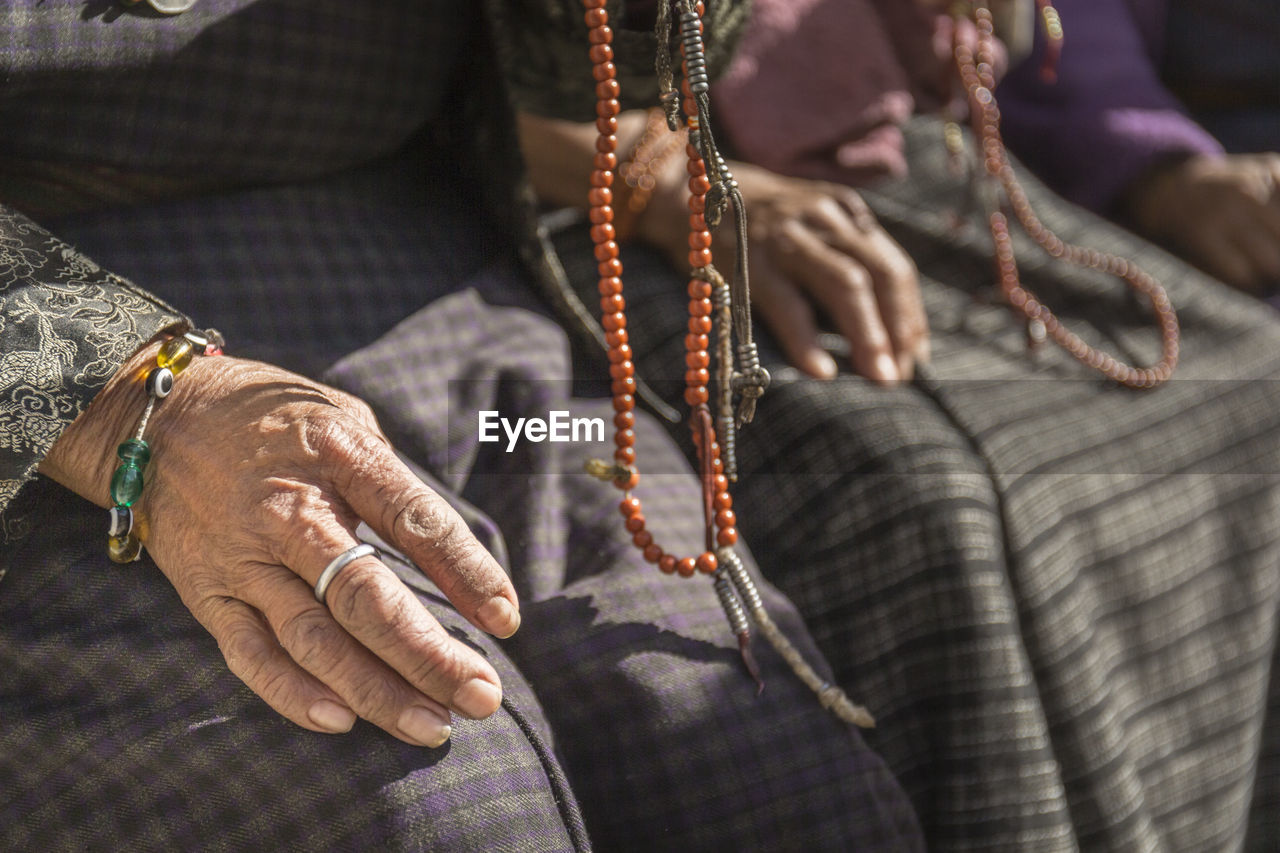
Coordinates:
(121, 521)
(160, 382)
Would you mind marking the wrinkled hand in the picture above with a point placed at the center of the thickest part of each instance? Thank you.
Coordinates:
(817, 246)
(1222, 214)
(258, 479)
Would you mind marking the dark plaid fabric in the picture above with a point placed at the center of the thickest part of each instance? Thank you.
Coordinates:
(394, 234)
(232, 91)
(123, 730)
(635, 679)
(1059, 597)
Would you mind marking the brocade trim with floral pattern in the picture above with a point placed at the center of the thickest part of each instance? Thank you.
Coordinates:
(66, 326)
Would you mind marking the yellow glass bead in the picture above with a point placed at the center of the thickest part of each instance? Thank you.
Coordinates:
(175, 354)
(124, 549)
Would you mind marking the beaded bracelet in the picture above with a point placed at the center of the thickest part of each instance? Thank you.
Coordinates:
(123, 545)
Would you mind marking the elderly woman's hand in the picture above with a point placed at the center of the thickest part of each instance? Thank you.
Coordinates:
(816, 247)
(259, 478)
(1221, 213)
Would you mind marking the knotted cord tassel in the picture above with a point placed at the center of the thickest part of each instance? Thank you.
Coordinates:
(753, 379)
(669, 96)
(740, 626)
(829, 695)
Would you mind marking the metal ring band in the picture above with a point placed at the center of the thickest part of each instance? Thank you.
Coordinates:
(339, 563)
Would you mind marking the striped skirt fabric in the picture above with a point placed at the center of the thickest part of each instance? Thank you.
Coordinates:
(1059, 597)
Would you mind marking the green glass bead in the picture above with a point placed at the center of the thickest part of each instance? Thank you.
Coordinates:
(126, 485)
(135, 451)
(176, 354)
(124, 549)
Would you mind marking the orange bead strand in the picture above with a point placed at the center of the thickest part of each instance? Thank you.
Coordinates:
(720, 525)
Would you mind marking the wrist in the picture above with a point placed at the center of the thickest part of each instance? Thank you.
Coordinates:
(83, 458)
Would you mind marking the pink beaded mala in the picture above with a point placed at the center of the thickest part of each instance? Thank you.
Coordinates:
(976, 72)
(712, 189)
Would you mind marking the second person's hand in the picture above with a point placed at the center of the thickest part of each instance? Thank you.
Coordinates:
(816, 249)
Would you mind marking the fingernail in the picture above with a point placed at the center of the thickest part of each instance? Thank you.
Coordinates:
(424, 726)
(331, 716)
(924, 352)
(477, 699)
(885, 368)
(824, 366)
(499, 617)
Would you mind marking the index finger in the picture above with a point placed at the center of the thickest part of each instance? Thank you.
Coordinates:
(844, 288)
(382, 491)
(847, 224)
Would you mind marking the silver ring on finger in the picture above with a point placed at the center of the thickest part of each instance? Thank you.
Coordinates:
(338, 563)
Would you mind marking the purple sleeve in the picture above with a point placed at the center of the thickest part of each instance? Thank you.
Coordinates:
(1107, 119)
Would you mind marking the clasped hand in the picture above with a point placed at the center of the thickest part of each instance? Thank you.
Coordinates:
(816, 249)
